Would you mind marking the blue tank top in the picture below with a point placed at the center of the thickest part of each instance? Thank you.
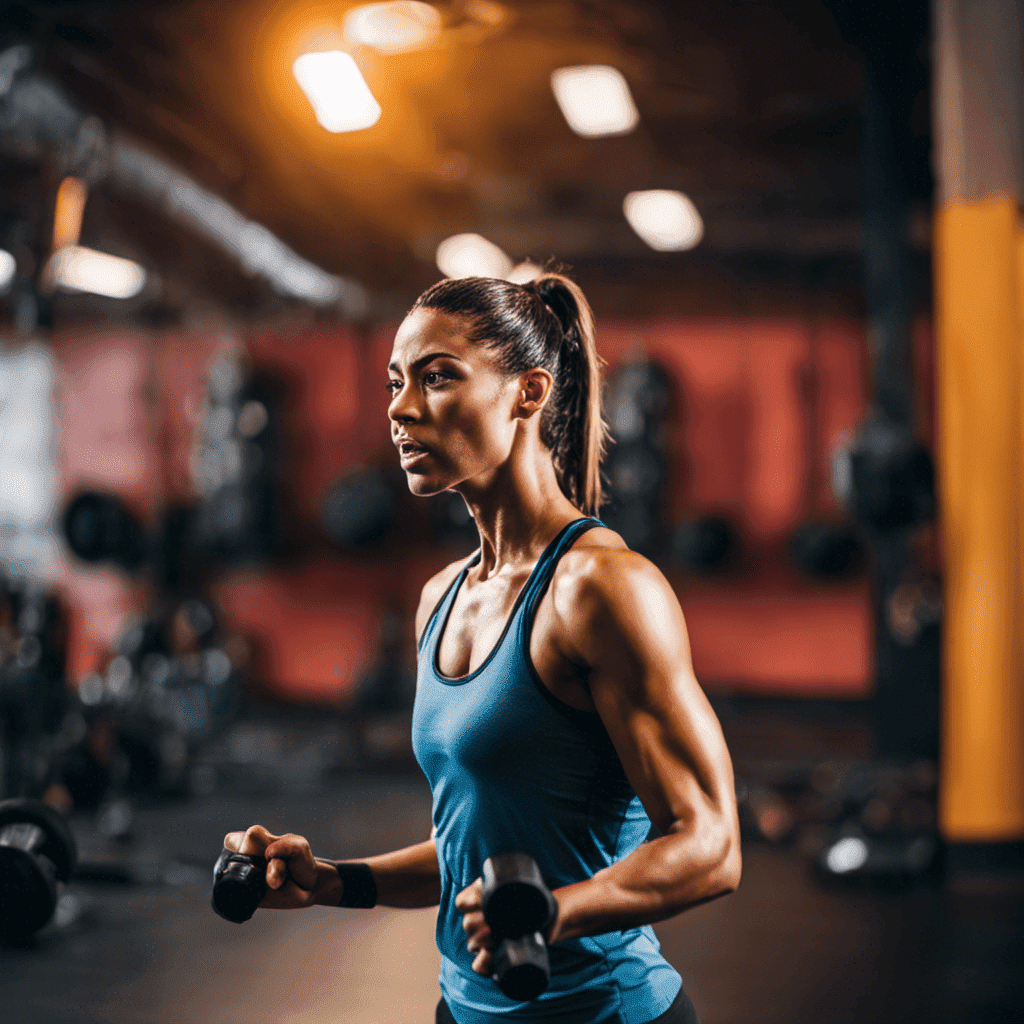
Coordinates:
(511, 767)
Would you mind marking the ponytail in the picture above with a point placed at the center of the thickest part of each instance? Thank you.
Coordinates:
(548, 323)
(578, 434)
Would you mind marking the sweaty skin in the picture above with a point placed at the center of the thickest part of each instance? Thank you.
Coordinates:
(609, 636)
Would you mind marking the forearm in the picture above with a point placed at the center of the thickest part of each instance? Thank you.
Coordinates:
(656, 881)
(404, 878)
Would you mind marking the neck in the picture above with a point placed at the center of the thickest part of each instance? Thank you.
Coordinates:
(518, 508)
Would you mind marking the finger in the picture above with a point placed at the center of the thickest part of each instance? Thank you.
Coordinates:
(277, 873)
(471, 898)
(484, 963)
(256, 840)
(473, 921)
(288, 846)
(233, 840)
(288, 897)
(480, 939)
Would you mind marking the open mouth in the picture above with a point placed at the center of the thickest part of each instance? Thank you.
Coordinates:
(407, 450)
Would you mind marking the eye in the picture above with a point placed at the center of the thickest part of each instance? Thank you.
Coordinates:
(432, 373)
(392, 385)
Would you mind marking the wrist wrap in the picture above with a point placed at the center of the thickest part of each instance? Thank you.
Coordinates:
(358, 888)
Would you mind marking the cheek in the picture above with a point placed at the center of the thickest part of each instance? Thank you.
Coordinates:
(477, 428)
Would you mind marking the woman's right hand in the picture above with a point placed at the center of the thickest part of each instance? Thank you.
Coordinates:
(293, 873)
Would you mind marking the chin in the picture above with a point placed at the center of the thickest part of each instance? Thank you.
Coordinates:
(423, 486)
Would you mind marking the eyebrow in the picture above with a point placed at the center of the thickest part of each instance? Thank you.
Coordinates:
(423, 360)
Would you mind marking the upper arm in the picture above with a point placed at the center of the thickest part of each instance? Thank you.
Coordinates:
(628, 631)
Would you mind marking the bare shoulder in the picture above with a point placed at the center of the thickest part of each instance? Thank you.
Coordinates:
(433, 591)
(600, 561)
(606, 593)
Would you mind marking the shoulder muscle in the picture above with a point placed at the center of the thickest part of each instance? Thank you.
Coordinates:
(615, 607)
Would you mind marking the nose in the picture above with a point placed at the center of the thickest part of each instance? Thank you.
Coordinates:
(403, 407)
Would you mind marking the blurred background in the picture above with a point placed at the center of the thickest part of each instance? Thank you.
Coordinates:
(798, 225)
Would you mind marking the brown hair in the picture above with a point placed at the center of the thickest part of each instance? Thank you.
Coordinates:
(547, 323)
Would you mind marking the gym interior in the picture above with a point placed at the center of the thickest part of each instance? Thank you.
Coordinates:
(798, 225)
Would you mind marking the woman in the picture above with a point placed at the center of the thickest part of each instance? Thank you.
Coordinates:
(556, 708)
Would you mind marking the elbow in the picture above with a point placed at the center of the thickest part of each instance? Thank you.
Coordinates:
(731, 869)
(732, 860)
(727, 867)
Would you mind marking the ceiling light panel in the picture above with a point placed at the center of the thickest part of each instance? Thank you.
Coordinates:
(78, 269)
(8, 267)
(335, 87)
(392, 27)
(664, 219)
(595, 100)
(472, 255)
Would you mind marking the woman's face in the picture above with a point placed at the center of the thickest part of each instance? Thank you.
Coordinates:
(451, 410)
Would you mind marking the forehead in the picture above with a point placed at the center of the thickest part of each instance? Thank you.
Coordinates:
(427, 330)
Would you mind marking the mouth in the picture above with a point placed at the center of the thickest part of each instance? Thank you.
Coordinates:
(410, 452)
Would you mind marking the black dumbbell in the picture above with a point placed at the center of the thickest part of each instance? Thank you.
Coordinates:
(239, 885)
(37, 854)
(518, 908)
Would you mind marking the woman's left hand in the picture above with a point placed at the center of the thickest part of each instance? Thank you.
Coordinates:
(479, 940)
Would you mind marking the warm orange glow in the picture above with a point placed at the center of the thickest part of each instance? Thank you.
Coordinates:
(67, 217)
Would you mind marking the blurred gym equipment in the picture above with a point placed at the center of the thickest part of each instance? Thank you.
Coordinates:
(705, 543)
(856, 820)
(101, 528)
(639, 397)
(171, 690)
(827, 550)
(237, 463)
(33, 693)
(359, 509)
(37, 855)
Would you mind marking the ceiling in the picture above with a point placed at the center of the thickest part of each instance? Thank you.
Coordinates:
(750, 107)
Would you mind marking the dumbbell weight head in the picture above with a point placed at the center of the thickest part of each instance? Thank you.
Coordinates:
(516, 901)
(521, 967)
(239, 885)
(37, 850)
(518, 908)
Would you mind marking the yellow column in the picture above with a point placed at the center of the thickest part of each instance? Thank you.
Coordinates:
(979, 449)
(979, 306)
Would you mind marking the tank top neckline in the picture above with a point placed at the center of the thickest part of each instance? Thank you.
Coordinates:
(453, 594)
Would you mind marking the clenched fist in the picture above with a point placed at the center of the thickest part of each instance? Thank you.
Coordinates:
(295, 879)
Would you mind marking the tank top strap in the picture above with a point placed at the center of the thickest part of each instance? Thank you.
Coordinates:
(440, 612)
(545, 568)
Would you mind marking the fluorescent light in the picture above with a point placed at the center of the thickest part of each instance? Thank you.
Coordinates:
(524, 273)
(333, 83)
(594, 99)
(8, 267)
(471, 255)
(664, 219)
(392, 27)
(85, 270)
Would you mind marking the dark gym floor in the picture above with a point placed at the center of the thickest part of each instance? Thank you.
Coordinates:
(784, 949)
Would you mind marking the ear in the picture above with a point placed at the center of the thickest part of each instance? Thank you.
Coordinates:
(535, 387)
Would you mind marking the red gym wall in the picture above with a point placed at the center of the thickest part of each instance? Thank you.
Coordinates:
(763, 403)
